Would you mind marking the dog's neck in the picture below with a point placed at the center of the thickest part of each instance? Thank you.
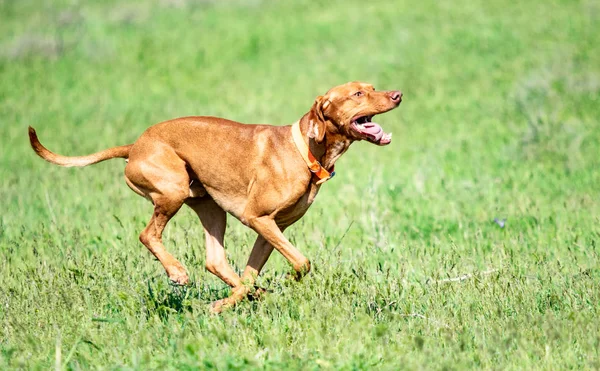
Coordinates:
(327, 152)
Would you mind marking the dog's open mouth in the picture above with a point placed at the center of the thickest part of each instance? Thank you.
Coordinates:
(370, 131)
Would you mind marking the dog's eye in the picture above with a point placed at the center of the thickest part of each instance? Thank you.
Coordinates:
(358, 93)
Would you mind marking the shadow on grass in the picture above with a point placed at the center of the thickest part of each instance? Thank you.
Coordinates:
(164, 299)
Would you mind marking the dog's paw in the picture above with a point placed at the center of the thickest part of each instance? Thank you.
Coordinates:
(179, 277)
(181, 280)
(217, 307)
(300, 270)
(237, 295)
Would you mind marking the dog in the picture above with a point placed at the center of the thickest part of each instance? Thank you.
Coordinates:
(265, 176)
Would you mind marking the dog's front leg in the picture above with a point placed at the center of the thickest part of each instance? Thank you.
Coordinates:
(268, 229)
(270, 236)
(258, 257)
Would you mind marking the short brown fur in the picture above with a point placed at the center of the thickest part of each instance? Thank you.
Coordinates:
(253, 172)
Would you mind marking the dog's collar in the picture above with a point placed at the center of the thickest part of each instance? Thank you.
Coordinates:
(320, 174)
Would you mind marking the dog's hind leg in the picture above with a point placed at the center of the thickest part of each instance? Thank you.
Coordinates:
(166, 184)
(214, 221)
(151, 236)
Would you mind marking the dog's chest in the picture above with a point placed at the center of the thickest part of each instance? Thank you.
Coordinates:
(298, 209)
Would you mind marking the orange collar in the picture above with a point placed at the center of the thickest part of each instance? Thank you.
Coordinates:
(319, 172)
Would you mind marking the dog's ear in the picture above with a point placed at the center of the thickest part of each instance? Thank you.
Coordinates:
(318, 122)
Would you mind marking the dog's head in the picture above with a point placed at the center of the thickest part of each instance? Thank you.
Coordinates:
(348, 110)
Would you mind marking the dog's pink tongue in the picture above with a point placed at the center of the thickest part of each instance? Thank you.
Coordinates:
(373, 130)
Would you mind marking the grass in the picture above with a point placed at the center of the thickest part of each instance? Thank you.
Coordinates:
(499, 120)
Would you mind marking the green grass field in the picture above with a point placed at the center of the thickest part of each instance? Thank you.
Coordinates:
(499, 120)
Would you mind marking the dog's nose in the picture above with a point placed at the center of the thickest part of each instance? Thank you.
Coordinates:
(396, 96)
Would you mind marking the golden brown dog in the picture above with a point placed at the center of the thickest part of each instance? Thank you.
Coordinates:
(265, 176)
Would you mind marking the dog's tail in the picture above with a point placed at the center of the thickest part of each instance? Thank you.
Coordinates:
(69, 161)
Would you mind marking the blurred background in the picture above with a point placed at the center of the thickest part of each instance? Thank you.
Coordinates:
(499, 120)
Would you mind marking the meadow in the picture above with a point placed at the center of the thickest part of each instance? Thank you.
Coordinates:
(469, 242)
